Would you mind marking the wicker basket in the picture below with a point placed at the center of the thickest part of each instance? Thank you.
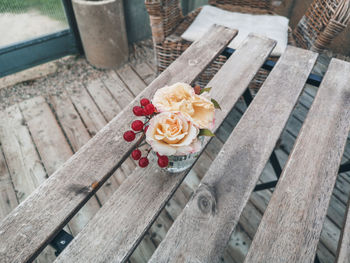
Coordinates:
(322, 22)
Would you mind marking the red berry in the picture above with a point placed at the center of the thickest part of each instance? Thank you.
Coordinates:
(149, 109)
(137, 125)
(145, 128)
(158, 155)
(144, 102)
(197, 89)
(136, 154)
(129, 136)
(163, 161)
(143, 162)
(138, 111)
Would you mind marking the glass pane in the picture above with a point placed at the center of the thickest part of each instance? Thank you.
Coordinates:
(22, 20)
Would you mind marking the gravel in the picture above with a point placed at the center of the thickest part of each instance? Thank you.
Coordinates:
(70, 70)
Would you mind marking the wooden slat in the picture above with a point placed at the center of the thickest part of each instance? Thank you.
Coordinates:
(145, 72)
(78, 136)
(117, 88)
(87, 109)
(343, 254)
(54, 150)
(46, 133)
(94, 121)
(292, 223)
(24, 164)
(58, 199)
(8, 199)
(70, 121)
(103, 99)
(215, 208)
(260, 199)
(116, 230)
(131, 79)
(74, 128)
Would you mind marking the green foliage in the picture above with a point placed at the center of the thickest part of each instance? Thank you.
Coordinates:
(216, 104)
(205, 132)
(51, 8)
(205, 90)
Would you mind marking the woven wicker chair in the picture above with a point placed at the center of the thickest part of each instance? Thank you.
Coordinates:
(322, 22)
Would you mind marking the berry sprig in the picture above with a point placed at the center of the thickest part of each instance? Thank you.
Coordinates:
(146, 109)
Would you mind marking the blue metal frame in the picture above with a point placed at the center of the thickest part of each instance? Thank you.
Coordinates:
(313, 79)
(33, 52)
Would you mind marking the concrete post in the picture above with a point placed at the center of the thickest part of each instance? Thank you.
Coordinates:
(102, 29)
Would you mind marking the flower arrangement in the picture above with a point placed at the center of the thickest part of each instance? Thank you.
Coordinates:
(175, 119)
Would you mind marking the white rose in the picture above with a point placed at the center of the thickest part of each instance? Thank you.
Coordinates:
(181, 97)
(173, 133)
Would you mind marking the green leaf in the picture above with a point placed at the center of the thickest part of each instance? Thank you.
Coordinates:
(205, 132)
(205, 90)
(216, 104)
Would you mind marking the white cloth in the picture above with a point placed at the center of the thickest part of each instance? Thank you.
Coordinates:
(271, 26)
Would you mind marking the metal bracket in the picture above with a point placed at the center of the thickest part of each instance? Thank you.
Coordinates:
(344, 167)
(61, 241)
(313, 79)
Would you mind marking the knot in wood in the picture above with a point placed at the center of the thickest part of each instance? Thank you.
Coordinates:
(193, 62)
(206, 199)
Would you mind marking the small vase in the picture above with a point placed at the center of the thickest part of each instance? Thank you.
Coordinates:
(180, 163)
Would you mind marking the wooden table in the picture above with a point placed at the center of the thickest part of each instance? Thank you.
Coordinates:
(291, 226)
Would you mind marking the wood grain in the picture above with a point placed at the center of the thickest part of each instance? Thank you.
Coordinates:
(8, 199)
(215, 208)
(131, 79)
(86, 108)
(115, 231)
(94, 121)
(54, 150)
(58, 198)
(24, 164)
(78, 136)
(70, 121)
(103, 99)
(292, 223)
(343, 254)
(117, 88)
(145, 72)
(260, 199)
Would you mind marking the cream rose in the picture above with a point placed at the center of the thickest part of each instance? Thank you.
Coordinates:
(172, 133)
(181, 97)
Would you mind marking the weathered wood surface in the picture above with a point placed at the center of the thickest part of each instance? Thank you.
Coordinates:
(251, 217)
(23, 162)
(78, 136)
(145, 72)
(46, 135)
(343, 255)
(58, 198)
(292, 223)
(117, 88)
(131, 79)
(86, 108)
(215, 208)
(103, 99)
(8, 198)
(115, 231)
